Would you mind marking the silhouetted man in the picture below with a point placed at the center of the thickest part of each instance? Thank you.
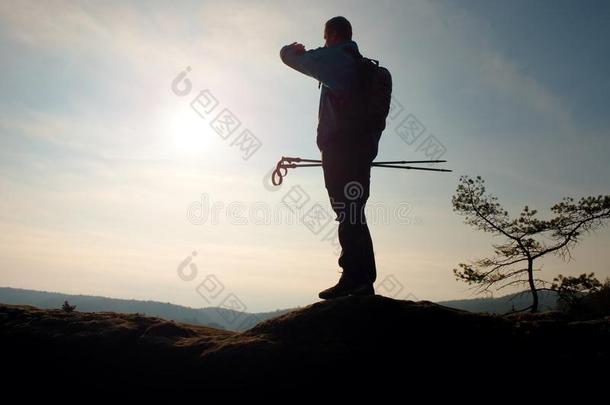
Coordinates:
(347, 151)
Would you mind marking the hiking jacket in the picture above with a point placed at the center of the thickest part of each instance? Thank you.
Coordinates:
(335, 69)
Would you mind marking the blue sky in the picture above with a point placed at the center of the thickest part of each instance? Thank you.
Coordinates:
(100, 160)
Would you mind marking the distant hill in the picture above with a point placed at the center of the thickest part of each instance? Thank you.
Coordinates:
(222, 318)
(506, 303)
(214, 317)
(352, 344)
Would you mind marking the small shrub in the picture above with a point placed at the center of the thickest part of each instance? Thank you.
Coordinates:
(67, 307)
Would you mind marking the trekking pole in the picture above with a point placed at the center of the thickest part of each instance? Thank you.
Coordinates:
(285, 163)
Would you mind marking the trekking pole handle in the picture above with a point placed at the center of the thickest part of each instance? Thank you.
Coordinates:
(286, 162)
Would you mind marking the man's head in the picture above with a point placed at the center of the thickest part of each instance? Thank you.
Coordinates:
(337, 30)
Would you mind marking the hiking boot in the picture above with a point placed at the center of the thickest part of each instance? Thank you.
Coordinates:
(347, 286)
(363, 289)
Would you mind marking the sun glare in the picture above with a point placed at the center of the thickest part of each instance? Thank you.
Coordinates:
(185, 132)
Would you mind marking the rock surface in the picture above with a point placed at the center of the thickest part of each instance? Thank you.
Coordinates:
(362, 340)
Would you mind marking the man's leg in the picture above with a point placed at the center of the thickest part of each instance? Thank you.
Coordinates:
(347, 180)
(368, 260)
(357, 255)
(363, 247)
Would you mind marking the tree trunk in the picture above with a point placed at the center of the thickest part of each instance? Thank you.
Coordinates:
(530, 275)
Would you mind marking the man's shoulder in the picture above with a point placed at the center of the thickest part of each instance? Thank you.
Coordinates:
(351, 44)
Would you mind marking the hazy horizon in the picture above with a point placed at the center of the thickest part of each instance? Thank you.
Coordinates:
(103, 164)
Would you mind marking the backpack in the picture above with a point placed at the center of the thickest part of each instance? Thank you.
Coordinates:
(365, 110)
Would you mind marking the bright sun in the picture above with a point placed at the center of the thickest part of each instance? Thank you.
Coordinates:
(186, 132)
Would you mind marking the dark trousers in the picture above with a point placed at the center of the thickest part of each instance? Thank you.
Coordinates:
(347, 176)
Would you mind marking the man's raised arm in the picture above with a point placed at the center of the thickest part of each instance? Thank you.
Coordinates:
(313, 63)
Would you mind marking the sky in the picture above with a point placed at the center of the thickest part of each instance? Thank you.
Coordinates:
(117, 178)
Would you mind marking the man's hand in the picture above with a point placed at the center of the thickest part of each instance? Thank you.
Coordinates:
(299, 48)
